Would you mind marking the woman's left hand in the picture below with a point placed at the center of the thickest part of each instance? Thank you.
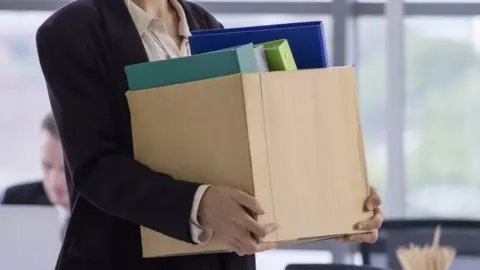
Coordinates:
(372, 225)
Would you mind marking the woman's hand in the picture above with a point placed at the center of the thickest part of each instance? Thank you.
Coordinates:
(372, 204)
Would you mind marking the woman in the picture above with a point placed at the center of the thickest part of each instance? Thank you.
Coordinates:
(83, 49)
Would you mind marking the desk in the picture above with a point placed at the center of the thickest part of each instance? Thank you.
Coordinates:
(341, 253)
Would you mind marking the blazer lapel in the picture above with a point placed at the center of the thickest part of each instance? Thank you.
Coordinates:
(194, 21)
(125, 43)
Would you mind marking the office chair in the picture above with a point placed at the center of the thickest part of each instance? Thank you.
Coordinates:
(330, 267)
(463, 235)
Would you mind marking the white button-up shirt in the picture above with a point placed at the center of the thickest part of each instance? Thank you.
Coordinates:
(159, 45)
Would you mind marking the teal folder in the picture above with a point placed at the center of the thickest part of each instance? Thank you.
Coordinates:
(192, 68)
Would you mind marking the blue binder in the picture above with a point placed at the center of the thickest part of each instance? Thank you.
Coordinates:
(254, 28)
(306, 39)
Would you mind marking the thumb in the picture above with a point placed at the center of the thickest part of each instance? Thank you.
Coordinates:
(248, 202)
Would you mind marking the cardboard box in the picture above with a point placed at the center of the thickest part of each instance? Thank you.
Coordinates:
(290, 138)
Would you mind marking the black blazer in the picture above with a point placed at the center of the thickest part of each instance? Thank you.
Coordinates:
(83, 49)
(26, 194)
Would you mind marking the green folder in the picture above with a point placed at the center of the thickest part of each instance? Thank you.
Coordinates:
(192, 68)
(279, 55)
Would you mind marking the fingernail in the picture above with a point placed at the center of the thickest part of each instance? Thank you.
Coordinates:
(359, 227)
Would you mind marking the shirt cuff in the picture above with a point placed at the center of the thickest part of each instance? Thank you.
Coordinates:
(200, 235)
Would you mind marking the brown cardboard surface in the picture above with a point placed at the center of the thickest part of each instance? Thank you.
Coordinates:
(292, 139)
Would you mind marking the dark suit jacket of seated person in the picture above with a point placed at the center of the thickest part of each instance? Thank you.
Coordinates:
(83, 49)
(31, 193)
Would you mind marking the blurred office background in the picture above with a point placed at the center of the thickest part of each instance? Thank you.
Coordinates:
(418, 66)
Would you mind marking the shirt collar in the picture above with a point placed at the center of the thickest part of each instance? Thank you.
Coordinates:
(142, 19)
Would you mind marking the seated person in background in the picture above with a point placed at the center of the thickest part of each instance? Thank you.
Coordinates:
(52, 189)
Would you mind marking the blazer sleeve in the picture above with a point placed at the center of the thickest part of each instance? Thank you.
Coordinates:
(81, 99)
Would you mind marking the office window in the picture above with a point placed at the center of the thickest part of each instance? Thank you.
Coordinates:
(240, 20)
(371, 75)
(442, 147)
(23, 101)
